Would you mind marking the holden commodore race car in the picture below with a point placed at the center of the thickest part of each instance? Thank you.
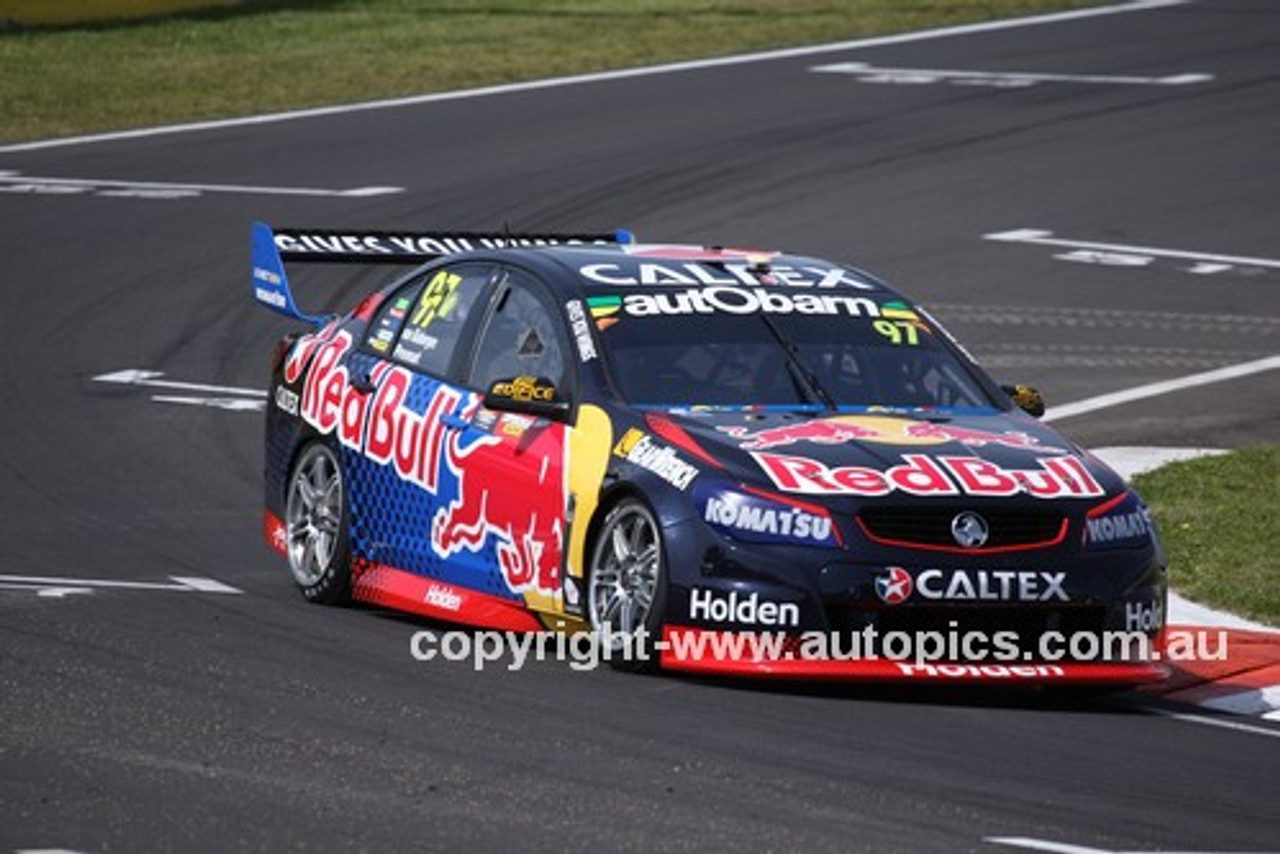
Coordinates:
(682, 447)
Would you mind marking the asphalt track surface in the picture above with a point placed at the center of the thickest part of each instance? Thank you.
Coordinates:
(171, 720)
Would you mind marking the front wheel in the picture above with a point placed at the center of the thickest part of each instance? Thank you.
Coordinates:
(626, 591)
(316, 524)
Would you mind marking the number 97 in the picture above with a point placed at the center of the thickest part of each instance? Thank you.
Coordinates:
(897, 331)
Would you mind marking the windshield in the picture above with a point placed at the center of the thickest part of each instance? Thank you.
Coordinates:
(847, 351)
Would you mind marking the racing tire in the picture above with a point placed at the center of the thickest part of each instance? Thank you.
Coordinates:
(316, 525)
(627, 587)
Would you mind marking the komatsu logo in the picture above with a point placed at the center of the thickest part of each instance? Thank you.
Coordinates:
(1122, 526)
(791, 522)
(755, 519)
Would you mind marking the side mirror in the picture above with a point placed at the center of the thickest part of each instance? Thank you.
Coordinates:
(1028, 399)
(528, 396)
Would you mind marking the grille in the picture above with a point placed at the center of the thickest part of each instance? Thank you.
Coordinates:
(931, 527)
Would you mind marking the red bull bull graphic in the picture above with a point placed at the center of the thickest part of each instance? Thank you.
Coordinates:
(503, 491)
(1055, 477)
(525, 523)
(841, 429)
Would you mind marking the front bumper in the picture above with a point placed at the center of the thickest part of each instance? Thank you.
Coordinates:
(712, 652)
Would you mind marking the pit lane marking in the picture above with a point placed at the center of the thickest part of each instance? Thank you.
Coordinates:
(59, 588)
(1122, 255)
(17, 183)
(867, 73)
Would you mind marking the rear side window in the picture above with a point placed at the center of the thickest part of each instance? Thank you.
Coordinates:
(422, 323)
(524, 337)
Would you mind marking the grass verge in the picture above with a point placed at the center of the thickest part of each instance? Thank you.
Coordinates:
(266, 55)
(1220, 520)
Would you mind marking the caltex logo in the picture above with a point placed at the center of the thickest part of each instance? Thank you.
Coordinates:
(894, 585)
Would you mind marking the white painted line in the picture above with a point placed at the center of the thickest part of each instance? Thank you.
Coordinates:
(1141, 392)
(1223, 723)
(1045, 238)
(137, 376)
(1043, 845)
(203, 585)
(181, 585)
(48, 592)
(158, 187)
(619, 74)
(231, 404)
(1066, 848)
(1249, 702)
(1001, 78)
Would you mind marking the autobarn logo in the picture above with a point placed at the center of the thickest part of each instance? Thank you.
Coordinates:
(724, 299)
(896, 585)
(925, 476)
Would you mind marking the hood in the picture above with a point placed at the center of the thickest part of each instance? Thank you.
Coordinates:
(989, 455)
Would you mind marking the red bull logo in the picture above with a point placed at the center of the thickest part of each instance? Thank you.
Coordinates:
(508, 488)
(840, 429)
(1056, 477)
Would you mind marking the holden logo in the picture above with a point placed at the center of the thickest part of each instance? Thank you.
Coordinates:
(894, 585)
(969, 530)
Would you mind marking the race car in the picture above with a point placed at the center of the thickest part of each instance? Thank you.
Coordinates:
(680, 448)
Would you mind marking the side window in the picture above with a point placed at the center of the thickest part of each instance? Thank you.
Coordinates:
(523, 338)
(422, 323)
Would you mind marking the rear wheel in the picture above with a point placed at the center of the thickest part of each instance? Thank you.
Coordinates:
(627, 587)
(316, 521)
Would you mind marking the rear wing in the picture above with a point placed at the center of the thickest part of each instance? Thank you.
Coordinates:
(271, 248)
